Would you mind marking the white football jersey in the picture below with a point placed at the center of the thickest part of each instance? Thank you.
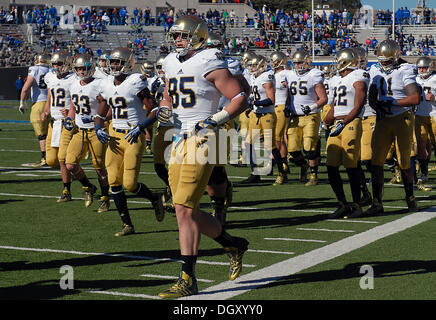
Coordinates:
(194, 98)
(127, 108)
(39, 87)
(100, 74)
(367, 110)
(331, 84)
(85, 100)
(235, 68)
(281, 90)
(428, 86)
(259, 92)
(59, 93)
(393, 84)
(344, 91)
(247, 75)
(302, 89)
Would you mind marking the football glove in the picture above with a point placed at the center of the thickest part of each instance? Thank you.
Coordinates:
(287, 111)
(135, 132)
(208, 123)
(164, 115)
(250, 102)
(155, 86)
(338, 129)
(308, 109)
(87, 118)
(102, 135)
(22, 106)
(68, 123)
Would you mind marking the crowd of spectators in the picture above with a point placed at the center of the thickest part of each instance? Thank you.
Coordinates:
(274, 29)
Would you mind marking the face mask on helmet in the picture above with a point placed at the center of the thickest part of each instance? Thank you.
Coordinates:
(425, 67)
(388, 54)
(188, 33)
(301, 62)
(121, 61)
(84, 67)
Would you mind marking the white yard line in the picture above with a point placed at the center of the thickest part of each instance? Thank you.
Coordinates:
(114, 255)
(158, 276)
(324, 230)
(277, 271)
(124, 294)
(298, 240)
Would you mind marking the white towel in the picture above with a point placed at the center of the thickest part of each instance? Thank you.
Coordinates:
(56, 133)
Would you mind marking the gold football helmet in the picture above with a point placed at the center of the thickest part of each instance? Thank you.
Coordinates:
(258, 64)
(147, 68)
(121, 61)
(84, 60)
(188, 28)
(214, 40)
(246, 57)
(388, 53)
(347, 59)
(328, 70)
(363, 57)
(425, 62)
(42, 59)
(278, 59)
(102, 61)
(61, 61)
(303, 59)
(158, 66)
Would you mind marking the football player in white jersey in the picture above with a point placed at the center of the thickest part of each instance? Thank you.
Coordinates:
(160, 144)
(219, 187)
(279, 63)
(101, 70)
(195, 80)
(423, 123)
(368, 125)
(147, 69)
(85, 96)
(37, 88)
(343, 144)
(58, 82)
(393, 92)
(126, 94)
(263, 118)
(244, 117)
(307, 97)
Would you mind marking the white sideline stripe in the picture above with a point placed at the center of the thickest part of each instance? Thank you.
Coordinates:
(261, 277)
(116, 255)
(9, 150)
(321, 229)
(269, 251)
(300, 240)
(56, 197)
(132, 295)
(264, 209)
(347, 220)
(171, 277)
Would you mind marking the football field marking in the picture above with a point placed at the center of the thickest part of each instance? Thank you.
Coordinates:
(277, 271)
(158, 276)
(326, 230)
(116, 255)
(298, 240)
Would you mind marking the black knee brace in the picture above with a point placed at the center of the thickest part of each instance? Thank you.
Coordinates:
(311, 155)
(42, 137)
(218, 176)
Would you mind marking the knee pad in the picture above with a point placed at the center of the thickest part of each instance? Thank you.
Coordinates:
(295, 155)
(218, 176)
(42, 137)
(116, 189)
(311, 155)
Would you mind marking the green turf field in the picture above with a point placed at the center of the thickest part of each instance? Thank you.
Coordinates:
(295, 252)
